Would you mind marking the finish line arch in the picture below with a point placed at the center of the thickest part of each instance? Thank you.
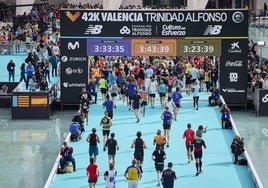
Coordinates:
(214, 32)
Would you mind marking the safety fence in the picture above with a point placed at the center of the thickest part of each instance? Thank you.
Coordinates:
(12, 48)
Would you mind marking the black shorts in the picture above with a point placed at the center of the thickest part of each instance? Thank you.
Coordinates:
(159, 167)
(135, 106)
(162, 95)
(193, 80)
(110, 114)
(152, 95)
(106, 132)
(144, 103)
(189, 148)
(85, 111)
(166, 126)
(92, 181)
(103, 90)
(170, 89)
(178, 105)
(198, 155)
(139, 156)
(113, 94)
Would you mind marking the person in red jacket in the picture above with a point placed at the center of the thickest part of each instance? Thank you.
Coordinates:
(66, 153)
(92, 173)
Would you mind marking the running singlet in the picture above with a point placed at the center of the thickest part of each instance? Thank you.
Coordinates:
(93, 140)
(167, 115)
(111, 175)
(138, 146)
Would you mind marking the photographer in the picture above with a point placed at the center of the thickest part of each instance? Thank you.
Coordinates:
(225, 117)
(237, 147)
(43, 85)
(215, 96)
(66, 153)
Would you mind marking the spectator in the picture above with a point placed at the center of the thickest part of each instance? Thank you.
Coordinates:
(22, 73)
(54, 62)
(11, 70)
(32, 83)
(67, 156)
(43, 85)
(29, 72)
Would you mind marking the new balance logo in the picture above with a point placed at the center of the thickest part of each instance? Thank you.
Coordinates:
(213, 30)
(71, 16)
(93, 29)
(74, 46)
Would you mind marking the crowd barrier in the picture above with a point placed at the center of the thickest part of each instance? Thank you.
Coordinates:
(12, 48)
(251, 167)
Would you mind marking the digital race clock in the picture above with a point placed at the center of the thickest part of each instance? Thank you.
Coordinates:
(109, 47)
(198, 47)
(153, 47)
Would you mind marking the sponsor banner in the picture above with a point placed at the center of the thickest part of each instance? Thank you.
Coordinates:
(109, 47)
(74, 76)
(154, 23)
(233, 71)
(73, 47)
(263, 106)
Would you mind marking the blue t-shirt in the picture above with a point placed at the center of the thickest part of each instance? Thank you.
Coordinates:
(167, 116)
(108, 104)
(131, 89)
(176, 97)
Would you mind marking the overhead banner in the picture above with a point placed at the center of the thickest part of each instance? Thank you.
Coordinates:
(74, 69)
(233, 71)
(154, 23)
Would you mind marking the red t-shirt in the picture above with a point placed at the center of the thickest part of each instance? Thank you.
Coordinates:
(189, 135)
(92, 172)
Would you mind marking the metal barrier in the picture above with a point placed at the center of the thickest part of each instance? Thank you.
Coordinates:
(11, 48)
